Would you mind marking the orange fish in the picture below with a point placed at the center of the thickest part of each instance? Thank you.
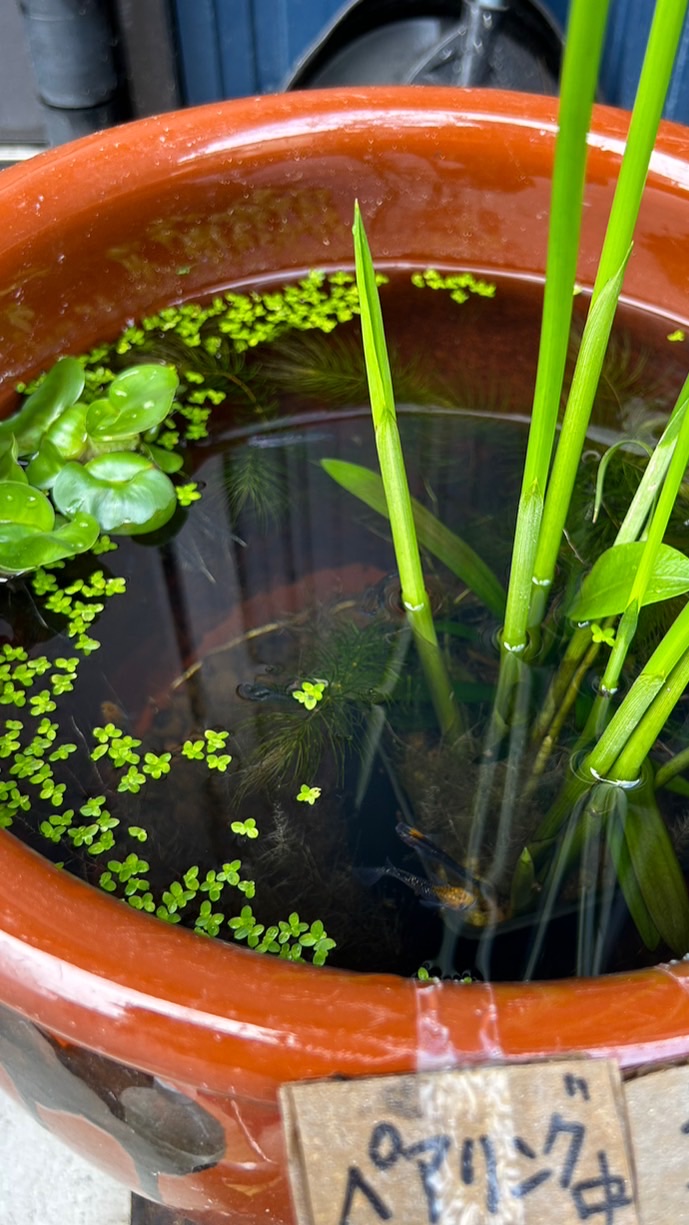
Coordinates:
(448, 897)
(456, 888)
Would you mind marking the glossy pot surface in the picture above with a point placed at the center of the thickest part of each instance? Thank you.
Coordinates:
(156, 1052)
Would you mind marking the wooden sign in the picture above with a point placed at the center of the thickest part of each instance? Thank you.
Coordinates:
(523, 1144)
(658, 1110)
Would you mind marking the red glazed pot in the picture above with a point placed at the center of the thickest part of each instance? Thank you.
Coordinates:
(155, 1052)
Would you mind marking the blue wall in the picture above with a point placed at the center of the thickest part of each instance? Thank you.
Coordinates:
(231, 48)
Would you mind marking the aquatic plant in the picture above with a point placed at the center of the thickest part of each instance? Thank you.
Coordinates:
(604, 822)
(74, 794)
(98, 449)
(90, 467)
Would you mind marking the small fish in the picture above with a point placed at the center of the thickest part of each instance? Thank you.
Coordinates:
(455, 889)
(485, 908)
(286, 439)
(424, 846)
(448, 897)
(262, 693)
(111, 712)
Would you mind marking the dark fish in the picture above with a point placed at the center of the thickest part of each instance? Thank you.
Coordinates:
(455, 888)
(286, 439)
(263, 693)
(446, 896)
(424, 846)
(385, 596)
(455, 882)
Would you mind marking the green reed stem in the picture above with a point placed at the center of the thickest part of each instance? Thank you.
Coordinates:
(506, 721)
(444, 544)
(664, 36)
(650, 681)
(631, 733)
(393, 473)
(644, 735)
(631, 528)
(644, 498)
(575, 652)
(567, 700)
(565, 855)
(676, 765)
(659, 520)
(585, 30)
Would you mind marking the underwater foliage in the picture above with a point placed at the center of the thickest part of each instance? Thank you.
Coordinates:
(97, 449)
(603, 821)
(526, 744)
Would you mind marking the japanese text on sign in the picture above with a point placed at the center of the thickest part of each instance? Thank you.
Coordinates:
(502, 1145)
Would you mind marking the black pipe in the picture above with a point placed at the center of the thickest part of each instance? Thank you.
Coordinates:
(74, 53)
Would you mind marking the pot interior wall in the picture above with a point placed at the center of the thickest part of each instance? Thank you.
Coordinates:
(114, 227)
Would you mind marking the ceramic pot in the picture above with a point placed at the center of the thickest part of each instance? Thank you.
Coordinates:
(155, 1052)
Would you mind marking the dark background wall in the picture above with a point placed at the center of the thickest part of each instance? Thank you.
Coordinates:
(167, 53)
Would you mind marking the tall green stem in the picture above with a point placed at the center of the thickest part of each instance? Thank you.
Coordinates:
(646, 732)
(583, 47)
(642, 694)
(656, 531)
(664, 36)
(393, 474)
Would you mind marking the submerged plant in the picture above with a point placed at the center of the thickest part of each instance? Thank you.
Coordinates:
(538, 797)
(73, 468)
(603, 824)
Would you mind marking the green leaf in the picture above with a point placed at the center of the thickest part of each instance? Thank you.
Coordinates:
(20, 504)
(45, 466)
(23, 548)
(388, 443)
(449, 548)
(606, 590)
(658, 874)
(167, 461)
(68, 433)
(125, 492)
(10, 470)
(628, 882)
(139, 399)
(625, 445)
(393, 473)
(60, 388)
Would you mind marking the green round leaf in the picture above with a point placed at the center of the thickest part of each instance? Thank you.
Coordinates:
(68, 433)
(167, 461)
(60, 388)
(139, 399)
(24, 506)
(124, 491)
(45, 466)
(10, 470)
(118, 467)
(23, 548)
(101, 417)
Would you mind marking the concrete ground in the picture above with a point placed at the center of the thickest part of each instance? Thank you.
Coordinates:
(42, 1182)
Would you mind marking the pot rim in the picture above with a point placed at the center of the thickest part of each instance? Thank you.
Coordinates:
(163, 998)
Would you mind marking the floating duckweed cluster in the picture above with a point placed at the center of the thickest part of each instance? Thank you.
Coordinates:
(42, 790)
(207, 343)
(319, 301)
(459, 285)
(80, 602)
(34, 747)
